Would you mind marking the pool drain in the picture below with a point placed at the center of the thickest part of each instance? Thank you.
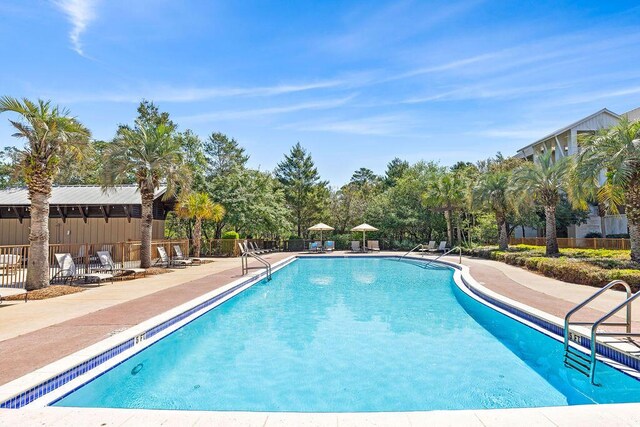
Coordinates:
(137, 369)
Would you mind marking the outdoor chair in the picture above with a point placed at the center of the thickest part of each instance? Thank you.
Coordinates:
(10, 263)
(168, 262)
(106, 248)
(68, 271)
(430, 248)
(107, 264)
(313, 247)
(319, 246)
(255, 249)
(329, 246)
(8, 292)
(373, 245)
(355, 246)
(180, 256)
(443, 246)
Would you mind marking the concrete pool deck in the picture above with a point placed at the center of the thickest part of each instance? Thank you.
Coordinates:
(40, 332)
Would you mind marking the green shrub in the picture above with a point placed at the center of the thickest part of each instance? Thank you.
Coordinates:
(230, 235)
(593, 235)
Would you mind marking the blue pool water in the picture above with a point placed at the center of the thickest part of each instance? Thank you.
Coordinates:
(351, 335)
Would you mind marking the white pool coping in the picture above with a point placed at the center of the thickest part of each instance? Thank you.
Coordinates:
(39, 412)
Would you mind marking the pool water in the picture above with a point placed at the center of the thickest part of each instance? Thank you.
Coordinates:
(351, 335)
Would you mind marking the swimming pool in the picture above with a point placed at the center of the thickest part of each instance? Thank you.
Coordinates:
(351, 335)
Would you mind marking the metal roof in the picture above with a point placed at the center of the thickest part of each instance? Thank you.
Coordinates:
(572, 125)
(80, 195)
(633, 115)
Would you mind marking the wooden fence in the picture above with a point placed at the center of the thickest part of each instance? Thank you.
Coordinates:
(14, 258)
(571, 242)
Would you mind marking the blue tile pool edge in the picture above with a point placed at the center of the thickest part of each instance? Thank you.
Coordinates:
(57, 381)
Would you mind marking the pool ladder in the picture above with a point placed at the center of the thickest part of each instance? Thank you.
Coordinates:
(585, 363)
(244, 258)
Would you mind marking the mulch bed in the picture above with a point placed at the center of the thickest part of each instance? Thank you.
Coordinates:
(50, 291)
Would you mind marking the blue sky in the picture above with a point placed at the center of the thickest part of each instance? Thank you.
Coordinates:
(357, 83)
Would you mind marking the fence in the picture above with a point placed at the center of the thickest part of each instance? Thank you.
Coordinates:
(571, 242)
(14, 258)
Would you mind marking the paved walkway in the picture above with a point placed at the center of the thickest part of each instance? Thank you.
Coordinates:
(37, 333)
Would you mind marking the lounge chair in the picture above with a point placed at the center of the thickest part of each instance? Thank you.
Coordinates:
(313, 247)
(10, 263)
(180, 255)
(329, 246)
(355, 246)
(8, 292)
(319, 245)
(107, 265)
(430, 248)
(168, 262)
(68, 271)
(373, 245)
(442, 247)
(255, 249)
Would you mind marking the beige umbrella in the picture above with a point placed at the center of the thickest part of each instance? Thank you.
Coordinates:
(364, 228)
(320, 227)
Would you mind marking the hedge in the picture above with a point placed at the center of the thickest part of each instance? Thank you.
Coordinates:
(591, 271)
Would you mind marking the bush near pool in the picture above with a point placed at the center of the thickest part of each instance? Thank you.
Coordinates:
(593, 267)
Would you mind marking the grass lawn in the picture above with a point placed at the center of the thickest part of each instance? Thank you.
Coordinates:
(594, 267)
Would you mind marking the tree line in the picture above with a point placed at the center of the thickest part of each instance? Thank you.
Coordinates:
(219, 195)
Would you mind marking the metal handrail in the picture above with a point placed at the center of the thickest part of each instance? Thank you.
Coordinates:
(600, 321)
(588, 300)
(416, 247)
(431, 261)
(245, 253)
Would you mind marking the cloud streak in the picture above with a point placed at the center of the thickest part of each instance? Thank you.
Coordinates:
(80, 13)
(269, 111)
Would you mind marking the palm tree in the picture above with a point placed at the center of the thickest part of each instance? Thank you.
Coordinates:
(445, 193)
(52, 135)
(198, 206)
(616, 152)
(544, 181)
(492, 190)
(151, 156)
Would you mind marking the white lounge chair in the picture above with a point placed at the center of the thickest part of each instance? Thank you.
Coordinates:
(253, 247)
(69, 272)
(373, 245)
(8, 292)
(443, 246)
(430, 248)
(355, 246)
(329, 246)
(180, 255)
(9, 263)
(165, 260)
(107, 265)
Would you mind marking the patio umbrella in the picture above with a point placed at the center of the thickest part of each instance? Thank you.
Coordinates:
(320, 227)
(364, 228)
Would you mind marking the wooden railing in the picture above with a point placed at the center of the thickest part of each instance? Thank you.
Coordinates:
(571, 242)
(14, 258)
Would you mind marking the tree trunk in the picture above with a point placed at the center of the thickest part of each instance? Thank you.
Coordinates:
(503, 234)
(146, 228)
(602, 212)
(447, 217)
(38, 264)
(197, 237)
(459, 230)
(552, 240)
(632, 197)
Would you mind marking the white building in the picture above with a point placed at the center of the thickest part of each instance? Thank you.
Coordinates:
(564, 142)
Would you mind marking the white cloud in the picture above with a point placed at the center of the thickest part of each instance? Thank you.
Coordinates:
(391, 124)
(243, 114)
(80, 13)
(169, 93)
